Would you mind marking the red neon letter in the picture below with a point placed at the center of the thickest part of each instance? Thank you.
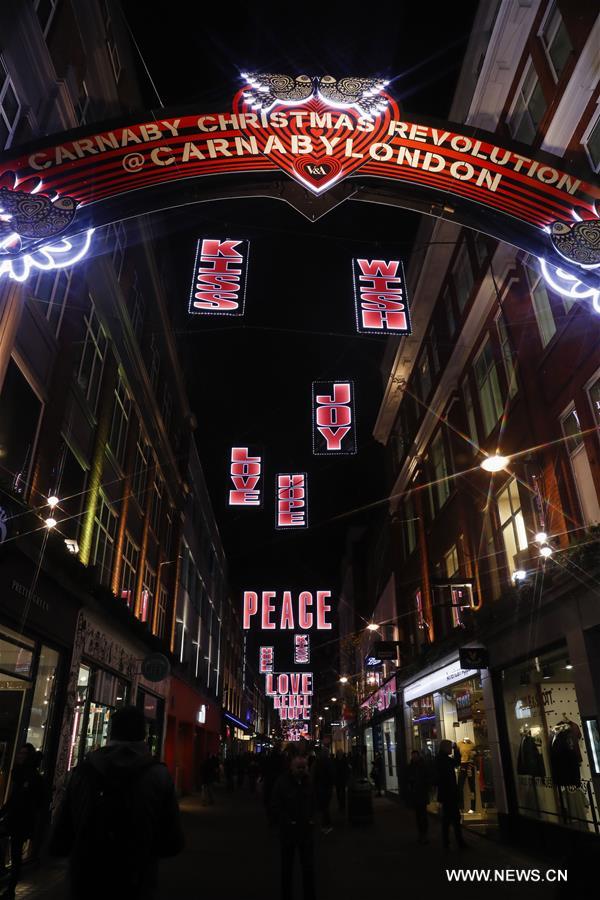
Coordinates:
(250, 606)
(305, 619)
(322, 608)
(267, 609)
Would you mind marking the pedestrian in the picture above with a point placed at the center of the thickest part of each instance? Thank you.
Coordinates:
(118, 816)
(377, 773)
(447, 760)
(293, 807)
(229, 769)
(208, 776)
(273, 765)
(24, 811)
(253, 772)
(341, 769)
(417, 786)
(322, 775)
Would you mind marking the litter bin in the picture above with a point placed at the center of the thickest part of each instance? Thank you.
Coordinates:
(360, 802)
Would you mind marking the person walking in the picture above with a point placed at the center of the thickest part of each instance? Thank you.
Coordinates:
(377, 773)
(208, 776)
(293, 806)
(118, 816)
(25, 810)
(323, 777)
(447, 760)
(341, 769)
(417, 786)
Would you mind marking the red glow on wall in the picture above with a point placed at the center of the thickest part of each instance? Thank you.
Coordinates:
(380, 297)
(286, 613)
(266, 660)
(245, 470)
(301, 649)
(220, 272)
(334, 427)
(292, 501)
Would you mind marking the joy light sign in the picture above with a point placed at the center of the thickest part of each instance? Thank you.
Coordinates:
(245, 470)
(380, 297)
(334, 430)
(220, 271)
(285, 613)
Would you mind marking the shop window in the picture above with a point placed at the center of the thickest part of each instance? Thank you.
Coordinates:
(131, 559)
(120, 423)
(556, 41)
(10, 108)
(549, 754)
(51, 290)
(488, 387)
(462, 276)
(470, 412)
(44, 695)
(439, 490)
(581, 469)
(507, 355)
(591, 142)
(91, 366)
(103, 546)
(512, 523)
(79, 714)
(16, 655)
(18, 403)
(528, 108)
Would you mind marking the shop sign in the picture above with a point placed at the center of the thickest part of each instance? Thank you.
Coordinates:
(201, 715)
(220, 273)
(382, 699)
(156, 667)
(301, 649)
(286, 612)
(380, 298)
(245, 469)
(292, 501)
(437, 680)
(373, 662)
(334, 420)
(474, 657)
(464, 706)
(386, 649)
(266, 658)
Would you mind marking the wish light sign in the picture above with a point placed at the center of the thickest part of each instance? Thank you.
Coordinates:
(220, 274)
(380, 297)
(292, 501)
(245, 469)
(334, 428)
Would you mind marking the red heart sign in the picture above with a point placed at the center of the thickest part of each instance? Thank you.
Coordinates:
(313, 142)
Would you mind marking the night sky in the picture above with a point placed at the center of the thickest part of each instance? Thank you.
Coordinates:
(250, 379)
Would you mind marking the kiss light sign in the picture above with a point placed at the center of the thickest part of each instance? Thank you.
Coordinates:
(220, 272)
(334, 429)
(285, 613)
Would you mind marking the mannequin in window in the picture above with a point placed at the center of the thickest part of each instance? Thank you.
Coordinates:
(565, 755)
(466, 772)
(529, 760)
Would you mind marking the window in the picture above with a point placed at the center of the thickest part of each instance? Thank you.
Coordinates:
(512, 523)
(423, 376)
(111, 45)
(120, 423)
(91, 366)
(18, 403)
(157, 492)
(71, 492)
(462, 276)
(448, 306)
(440, 488)
(154, 368)
(45, 10)
(131, 560)
(528, 108)
(580, 466)
(481, 247)
(470, 411)
(434, 351)
(140, 471)
(507, 356)
(168, 542)
(591, 142)
(488, 388)
(137, 308)
(103, 545)
(82, 106)
(541, 307)
(167, 408)
(161, 615)
(556, 41)
(116, 237)
(148, 592)
(409, 526)
(10, 107)
(451, 566)
(51, 289)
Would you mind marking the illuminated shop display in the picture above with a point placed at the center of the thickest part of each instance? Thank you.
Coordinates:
(287, 612)
(220, 274)
(292, 501)
(319, 131)
(380, 297)
(334, 418)
(245, 469)
(302, 649)
(266, 660)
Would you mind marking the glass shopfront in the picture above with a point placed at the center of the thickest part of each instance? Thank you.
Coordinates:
(99, 693)
(380, 744)
(153, 708)
(455, 712)
(548, 750)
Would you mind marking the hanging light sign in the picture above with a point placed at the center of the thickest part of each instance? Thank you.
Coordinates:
(266, 659)
(334, 429)
(219, 283)
(292, 693)
(292, 501)
(301, 649)
(286, 613)
(380, 297)
(245, 470)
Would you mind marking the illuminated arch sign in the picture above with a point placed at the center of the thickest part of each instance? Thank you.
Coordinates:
(329, 138)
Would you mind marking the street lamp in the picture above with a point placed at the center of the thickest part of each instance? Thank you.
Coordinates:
(343, 680)
(372, 626)
(494, 463)
(546, 551)
(334, 699)
(50, 522)
(541, 537)
(53, 501)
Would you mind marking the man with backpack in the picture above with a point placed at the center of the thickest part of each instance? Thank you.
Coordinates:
(118, 817)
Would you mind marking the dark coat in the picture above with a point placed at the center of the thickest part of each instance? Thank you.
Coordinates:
(293, 802)
(152, 807)
(445, 779)
(417, 783)
(27, 803)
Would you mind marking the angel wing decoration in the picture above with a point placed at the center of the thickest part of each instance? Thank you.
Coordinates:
(267, 89)
(363, 93)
